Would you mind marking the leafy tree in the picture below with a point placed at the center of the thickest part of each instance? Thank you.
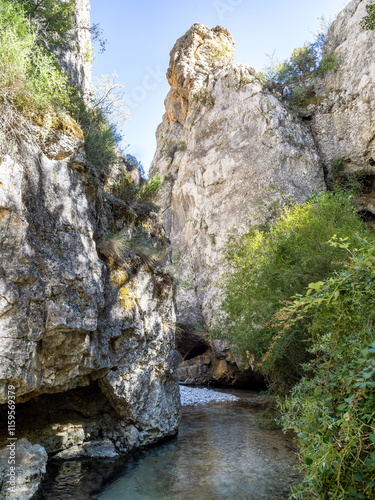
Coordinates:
(268, 267)
(57, 24)
(54, 20)
(295, 76)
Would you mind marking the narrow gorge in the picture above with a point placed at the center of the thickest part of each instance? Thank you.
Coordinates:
(108, 293)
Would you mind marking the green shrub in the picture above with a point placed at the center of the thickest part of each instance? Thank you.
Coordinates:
(140, 198)
(96, 112)
(101, 136)
(54, 20)
(300, 70)
(30, 79)
(170, 146)
(33, 84)
(332, 408)
(338, 167)
(204, 97)
(368, 22)
(268, 267)
(328, 63)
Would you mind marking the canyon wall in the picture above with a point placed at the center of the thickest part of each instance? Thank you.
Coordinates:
(86, 344)
(228, 151)
(342, 119)
(67, 320)
(231, 149)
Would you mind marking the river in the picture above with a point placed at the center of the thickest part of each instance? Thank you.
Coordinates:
(219, 454)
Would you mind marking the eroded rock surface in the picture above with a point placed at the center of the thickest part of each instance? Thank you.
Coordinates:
(68, 321)
(21, 480)
(227, 151)
(76, 56)
(343, 122)
(86, 343)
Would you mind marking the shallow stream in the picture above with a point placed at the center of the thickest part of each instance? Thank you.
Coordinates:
(219, 454)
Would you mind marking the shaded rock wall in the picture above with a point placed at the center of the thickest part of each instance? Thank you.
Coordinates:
(66, 320)
(227, 151)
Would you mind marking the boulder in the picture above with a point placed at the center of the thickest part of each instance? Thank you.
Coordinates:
(22, 467)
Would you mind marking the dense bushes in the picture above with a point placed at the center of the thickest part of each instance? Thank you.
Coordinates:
(368, 22)
(268, 267)
(299, 301)
(332, 407)
(54, 22)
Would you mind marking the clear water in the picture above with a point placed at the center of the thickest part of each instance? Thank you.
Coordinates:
(219, 454)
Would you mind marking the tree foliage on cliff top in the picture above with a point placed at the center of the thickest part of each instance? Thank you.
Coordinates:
(368, 22)
(54, 21)
(30, 79)
(295, 76)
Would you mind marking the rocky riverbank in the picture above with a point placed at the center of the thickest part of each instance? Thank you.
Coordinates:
(200, 396)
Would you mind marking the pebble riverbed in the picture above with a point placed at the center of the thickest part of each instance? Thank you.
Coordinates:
(196, 396)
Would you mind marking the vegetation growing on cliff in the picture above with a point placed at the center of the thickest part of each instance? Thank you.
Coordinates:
(299, 301)
(368, 22)
(295, 76)
(332, 407)
(54, 21)
(30, 79)
(32, 84)
(269, 266)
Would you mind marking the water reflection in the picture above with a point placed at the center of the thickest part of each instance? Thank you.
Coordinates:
(220, 453)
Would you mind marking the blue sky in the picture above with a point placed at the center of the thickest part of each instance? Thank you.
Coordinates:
(141, 33)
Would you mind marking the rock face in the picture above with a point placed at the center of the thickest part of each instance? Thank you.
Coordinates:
(65, 319)
(87, 348)
(343, 123)
(21, 481)
(76, 58)
(227, 150)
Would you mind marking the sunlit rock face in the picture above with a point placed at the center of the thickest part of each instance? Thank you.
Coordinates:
(76, 56)
(227, 151)
(343, 121)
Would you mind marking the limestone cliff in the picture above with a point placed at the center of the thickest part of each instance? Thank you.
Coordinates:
(228, 151)
(76, 57)
(86, 344)
(343, 122)
(66, 319)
